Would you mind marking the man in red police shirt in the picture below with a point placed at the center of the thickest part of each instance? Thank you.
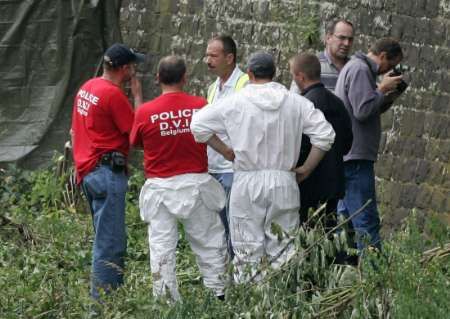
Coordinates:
(101, 122)
(178, 186)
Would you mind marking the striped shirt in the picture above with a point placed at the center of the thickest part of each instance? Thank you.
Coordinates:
(328, 75)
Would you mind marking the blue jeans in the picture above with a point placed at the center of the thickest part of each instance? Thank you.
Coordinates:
(105, 191)
(226, 180)
(359, 188)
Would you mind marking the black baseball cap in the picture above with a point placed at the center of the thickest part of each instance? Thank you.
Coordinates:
(119, 54)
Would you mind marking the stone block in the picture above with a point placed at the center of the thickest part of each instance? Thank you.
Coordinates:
(409, 194)
(438, 150)
(393, 218)
(262, 11)
(410, 147)
(376, 4)
(383, 140)
(439, 199)
(422, 29)
(364, 27)
(403, 7)
(412, 123)
(427, 57)
(437, 32)
(444, 81)
(195, 6)
(384, 166)
(432, 8)
(389, 193)
(418, 79)
(404, 169)
(381, 25)
(422, 171)
(446, 176)
(436, 175)
(436, 125)
(447, 31)
(440, 104)
(411, 54)
(387, 120)
(424, 196)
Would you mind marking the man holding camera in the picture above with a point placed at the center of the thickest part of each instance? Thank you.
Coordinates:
(365, 100)
(101, 122)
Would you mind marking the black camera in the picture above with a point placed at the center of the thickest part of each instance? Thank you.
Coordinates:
(399, 70)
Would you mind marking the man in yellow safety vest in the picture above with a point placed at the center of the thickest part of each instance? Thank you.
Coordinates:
(221, 61)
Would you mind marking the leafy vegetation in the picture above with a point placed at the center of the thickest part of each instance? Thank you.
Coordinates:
(46, 251)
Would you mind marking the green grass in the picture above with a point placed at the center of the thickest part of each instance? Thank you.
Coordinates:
(46, 251)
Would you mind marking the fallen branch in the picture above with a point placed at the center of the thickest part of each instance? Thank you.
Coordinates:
(23, 229)
(309, 249)
(435, 253)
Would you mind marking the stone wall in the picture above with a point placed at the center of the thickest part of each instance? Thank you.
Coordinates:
(413, 170)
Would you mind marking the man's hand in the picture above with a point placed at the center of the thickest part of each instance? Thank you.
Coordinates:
(389, 83)
(221, 148)
(313, 159)
(229, 154)
(302, 173)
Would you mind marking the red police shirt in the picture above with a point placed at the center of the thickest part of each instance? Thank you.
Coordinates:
(162, 128)
(102, 118)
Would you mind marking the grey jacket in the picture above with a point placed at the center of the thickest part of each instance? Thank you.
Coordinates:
(357, 88)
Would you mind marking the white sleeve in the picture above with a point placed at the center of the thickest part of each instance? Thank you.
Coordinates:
(207, 121)
(319, 130)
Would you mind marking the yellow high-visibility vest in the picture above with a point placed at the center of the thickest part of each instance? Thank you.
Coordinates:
(243, 79)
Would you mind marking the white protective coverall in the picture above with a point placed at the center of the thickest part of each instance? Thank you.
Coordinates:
(195, 200)
(265, 123)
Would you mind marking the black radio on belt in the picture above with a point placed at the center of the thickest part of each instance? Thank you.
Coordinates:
(116, 160)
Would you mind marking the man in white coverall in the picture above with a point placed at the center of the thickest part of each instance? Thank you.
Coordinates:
(265, 123)
(178, 186)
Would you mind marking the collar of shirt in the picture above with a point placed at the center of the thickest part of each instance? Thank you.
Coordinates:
(231, 82)
(372, 65)
(312, 87)
(326, 56)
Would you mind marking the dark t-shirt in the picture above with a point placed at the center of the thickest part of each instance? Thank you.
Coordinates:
(327, 180)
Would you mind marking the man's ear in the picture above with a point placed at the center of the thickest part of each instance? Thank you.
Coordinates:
(157, 78)
(383, 56)
(230, 58)
(184, 79)
(251, 76)
(302, 75)
(326, 38)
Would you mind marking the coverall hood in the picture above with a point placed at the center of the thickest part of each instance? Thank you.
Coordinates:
(267, 96)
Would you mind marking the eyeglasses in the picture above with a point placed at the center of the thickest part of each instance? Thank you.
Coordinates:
(343, 38)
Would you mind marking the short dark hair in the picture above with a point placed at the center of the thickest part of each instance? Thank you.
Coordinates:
(229, 46)
(308, 64)
(389, 45)
(108, 67)
(331, 26)
(171, 70)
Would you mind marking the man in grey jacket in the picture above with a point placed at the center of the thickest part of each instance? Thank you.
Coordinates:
(365, 100)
